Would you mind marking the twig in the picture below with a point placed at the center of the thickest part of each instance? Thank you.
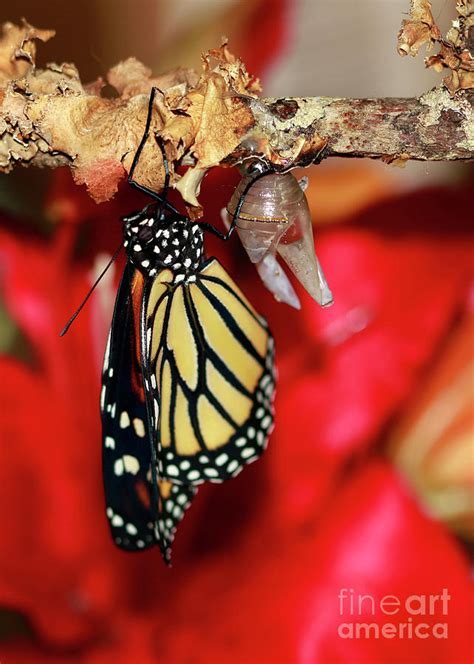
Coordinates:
(49, 118)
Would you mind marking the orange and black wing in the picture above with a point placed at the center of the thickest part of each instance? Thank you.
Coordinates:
(211, 372)
(142, 509)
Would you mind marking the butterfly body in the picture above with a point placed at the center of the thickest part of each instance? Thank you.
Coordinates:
(155, 240)
(188, 380)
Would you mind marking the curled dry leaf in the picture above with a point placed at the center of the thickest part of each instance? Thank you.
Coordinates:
(201, 117)
(455, 52)
(201, 122)
(419, 29)
(131, 77)
(18, 49)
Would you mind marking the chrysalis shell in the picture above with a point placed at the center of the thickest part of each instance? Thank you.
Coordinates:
(275, 217)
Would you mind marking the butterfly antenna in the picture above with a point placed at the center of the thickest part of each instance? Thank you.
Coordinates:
(78, 311)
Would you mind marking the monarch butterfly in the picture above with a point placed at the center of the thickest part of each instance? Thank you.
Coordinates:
(188, 377)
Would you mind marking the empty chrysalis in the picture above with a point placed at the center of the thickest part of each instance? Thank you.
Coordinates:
(275, 218)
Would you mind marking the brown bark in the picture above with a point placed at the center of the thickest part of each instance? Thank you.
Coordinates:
(437, 126)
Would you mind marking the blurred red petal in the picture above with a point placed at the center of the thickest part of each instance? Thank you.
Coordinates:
(377, 542)
(277, 600)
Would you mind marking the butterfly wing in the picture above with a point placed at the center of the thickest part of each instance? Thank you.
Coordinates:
(141, 512)
(212, 372)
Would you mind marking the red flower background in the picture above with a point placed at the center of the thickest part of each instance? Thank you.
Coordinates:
(259, 563)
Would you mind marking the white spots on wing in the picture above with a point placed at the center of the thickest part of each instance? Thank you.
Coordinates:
(112, 410)
(111, 372)
(148, 338)
(191, 279)
(247, 452)
(131, 529)
(203, 459)
(177, 512)
(184, 465)
(187, 262)
(167, 260)
(124, 420)
(117, 521)
(102, 398)
(266, 422)
(251, 432)
(109, 511)
(172, 470)
(193, 475)
(178, 278)
(265, 380)
(145, 263)
(140, 544)
(153, 381)
(156, 409)
(233, 465)
(131, 464)
(126, 464)
(221, 459)
(107, 353)
(182, 499)
(109, 442)
(139, 427)
(211, 472)
(137, 247)
(241, 442)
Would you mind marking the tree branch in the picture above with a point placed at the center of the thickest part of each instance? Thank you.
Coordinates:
(49, 118)
(434, 127)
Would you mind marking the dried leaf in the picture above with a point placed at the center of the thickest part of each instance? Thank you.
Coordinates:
(459, 80)
(18, 49)
(101, 178)
(419, 29)
(202, 122)
(461, 64)
(131, 77)
(454, 52)
(190, 184)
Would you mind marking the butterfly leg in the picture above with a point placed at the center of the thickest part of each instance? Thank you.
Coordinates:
(146, 190)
